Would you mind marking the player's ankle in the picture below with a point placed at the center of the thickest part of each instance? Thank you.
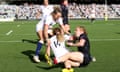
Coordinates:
(68, 67)
(41, 41)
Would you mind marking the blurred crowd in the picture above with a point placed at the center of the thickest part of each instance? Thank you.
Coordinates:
(75, 11)
(19, 12)
(83, 11)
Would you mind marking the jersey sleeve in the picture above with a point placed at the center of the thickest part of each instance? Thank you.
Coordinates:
(83, 36)
(60, 21)
(67, 37)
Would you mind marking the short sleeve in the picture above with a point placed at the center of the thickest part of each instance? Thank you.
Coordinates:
(60, 21)
(83, 36)
(51, 9)
(67, 37)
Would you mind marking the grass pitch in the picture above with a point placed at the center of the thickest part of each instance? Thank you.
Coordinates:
(18, 43)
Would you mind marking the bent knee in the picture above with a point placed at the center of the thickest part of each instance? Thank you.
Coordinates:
(77, 64)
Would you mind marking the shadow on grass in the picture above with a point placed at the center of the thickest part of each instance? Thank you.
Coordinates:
(51, 67)
(117, 32)
(30, 54)
(30, 41)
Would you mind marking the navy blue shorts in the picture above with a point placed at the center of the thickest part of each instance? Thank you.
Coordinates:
(86, 61)
(65, 20)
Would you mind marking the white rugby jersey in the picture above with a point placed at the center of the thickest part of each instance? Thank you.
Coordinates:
(49, 21)
(58, 48)
(46, 10)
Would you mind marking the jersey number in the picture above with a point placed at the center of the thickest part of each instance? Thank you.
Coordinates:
(56, 44)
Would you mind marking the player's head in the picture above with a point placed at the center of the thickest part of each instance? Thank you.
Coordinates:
(59, 34)
(56, 13)
(64, 2)
(45, 2)
(80, 30)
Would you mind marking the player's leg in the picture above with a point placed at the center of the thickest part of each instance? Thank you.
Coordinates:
(75, 56)
(39, 46)
(70, 64)
(40, 42)
(92, 17)
(92, 20)
(40, 35)
(47, 54)
(62, 58)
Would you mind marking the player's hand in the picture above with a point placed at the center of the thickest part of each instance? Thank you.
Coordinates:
(68, 33)
(69, 43)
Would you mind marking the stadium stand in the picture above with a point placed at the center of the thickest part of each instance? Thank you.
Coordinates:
(83, 11)
(27, 11)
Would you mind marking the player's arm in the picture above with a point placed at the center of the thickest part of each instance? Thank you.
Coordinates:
(80, 43)
(62, 26)
(64, 29)
(70, 40)
(46, 31)
(48, 49)
(60, 21)
(47, 55)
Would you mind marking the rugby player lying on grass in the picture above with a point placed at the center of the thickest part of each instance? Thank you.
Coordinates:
(63, 55)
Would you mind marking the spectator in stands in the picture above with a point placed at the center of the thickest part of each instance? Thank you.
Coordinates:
(92, 13)
(27, 11)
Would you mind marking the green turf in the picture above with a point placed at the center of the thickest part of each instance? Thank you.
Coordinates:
(16, 56)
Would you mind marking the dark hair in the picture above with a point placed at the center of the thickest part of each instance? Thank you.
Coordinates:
(62, 1)
(56, 10)
(83, 28)
(56, 31)
(44, 0)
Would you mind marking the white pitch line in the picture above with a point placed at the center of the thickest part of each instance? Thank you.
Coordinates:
(90, 40)
(104, 39)
(8, 33)
(18, 25)
(10, 41)
(21, 34)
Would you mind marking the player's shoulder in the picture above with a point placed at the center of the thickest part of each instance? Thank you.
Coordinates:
(49, 19)
(83, 36)
(59, 19)
(53, 38)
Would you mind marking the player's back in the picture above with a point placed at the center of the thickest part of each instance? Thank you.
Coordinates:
(57, 47)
